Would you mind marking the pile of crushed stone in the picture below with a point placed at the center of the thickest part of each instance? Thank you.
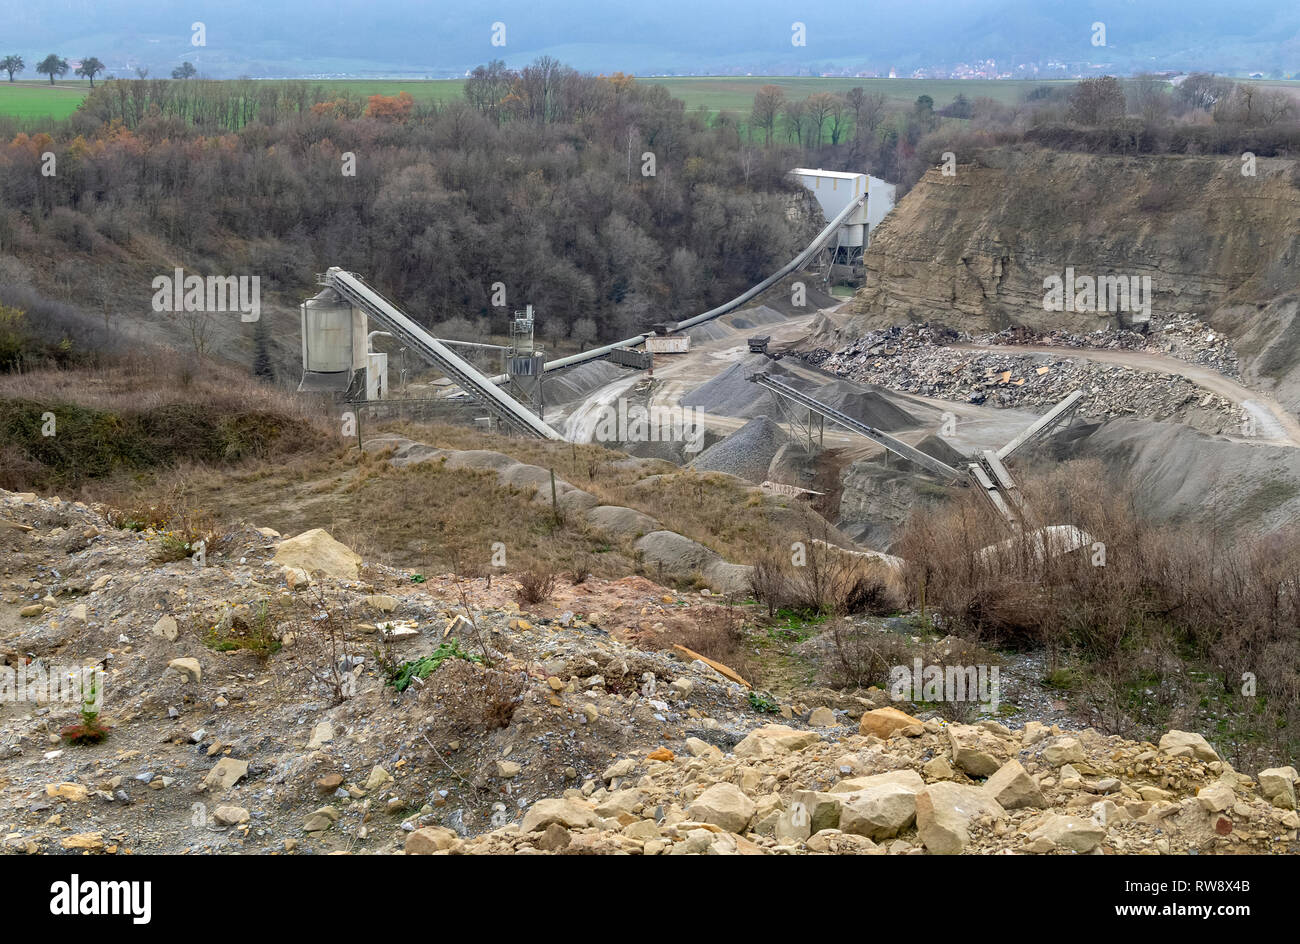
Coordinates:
(896, 785)
(747, 453)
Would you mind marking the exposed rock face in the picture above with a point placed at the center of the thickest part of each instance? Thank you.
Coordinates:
(973, 249)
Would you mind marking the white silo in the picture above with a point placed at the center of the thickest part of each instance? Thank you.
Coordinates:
(333, 342)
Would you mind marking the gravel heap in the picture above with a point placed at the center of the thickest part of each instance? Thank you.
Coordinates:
(748, 452)
(576, 383)
(731, 394)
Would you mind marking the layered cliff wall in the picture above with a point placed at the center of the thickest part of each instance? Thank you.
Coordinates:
(974, 249)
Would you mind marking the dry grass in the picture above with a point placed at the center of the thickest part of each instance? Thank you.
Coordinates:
(1170, 624)
(156, 378)
(718, 633)
(717, 510)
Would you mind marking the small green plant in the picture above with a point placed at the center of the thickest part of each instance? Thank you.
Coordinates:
(425, 666)
(418, 578)
(91, 730)
(763, 702)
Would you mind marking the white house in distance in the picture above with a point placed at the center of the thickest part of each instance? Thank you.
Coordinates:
(834, 190)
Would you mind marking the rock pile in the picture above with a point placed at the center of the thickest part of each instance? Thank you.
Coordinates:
(747, 453)
(916, 359)
(898, 785)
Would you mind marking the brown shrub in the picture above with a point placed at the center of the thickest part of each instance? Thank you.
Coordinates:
(827, 580)
(535, 586)
(717, 633)
(1137, 602)
(466, 698)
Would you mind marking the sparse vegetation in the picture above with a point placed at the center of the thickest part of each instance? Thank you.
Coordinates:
(91, 730)
(1138, 607)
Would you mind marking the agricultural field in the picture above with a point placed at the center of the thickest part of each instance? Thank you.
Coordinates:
(736, 93)
(33, 99)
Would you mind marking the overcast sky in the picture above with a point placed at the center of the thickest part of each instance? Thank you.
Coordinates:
(311, 37)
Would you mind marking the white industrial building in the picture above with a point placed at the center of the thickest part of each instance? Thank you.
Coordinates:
(834, 190)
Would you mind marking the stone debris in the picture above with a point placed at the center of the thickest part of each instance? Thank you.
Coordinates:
(594, 746)
(785, 794)
(922, 359)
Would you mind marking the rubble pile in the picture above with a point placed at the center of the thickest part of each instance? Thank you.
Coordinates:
(920, 359)
(1181, 335)
(893, 784)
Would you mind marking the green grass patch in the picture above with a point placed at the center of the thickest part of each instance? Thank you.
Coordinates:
(425, 666)
(40, 99)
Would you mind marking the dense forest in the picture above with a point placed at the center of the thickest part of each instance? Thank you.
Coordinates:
(600, 201)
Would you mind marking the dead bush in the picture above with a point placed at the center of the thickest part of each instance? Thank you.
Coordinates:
(466, 698)
(823, 579)
(716, 633)
(862, 656)
(1135, 602)
(535, 586)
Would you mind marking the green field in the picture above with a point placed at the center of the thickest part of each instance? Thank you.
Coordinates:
(722, 93)
(32, 99)
(735, 94)
(39, 100)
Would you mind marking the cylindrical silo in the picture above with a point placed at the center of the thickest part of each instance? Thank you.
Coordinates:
(326, 334)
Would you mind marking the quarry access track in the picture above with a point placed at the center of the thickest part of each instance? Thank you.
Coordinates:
(1275, 425)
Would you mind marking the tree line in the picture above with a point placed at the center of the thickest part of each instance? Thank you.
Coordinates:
(55, 66)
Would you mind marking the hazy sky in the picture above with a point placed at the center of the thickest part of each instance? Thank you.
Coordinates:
(304, 37)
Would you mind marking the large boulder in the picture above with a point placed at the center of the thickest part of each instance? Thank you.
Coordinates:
(944, 812)
(978, 752)
(1278, 786)
(1187, 744)
(1066, 750)
(886, 722)
(430, 839)
(775, 739)
(570, 813)
(316, 552)
(1069, 832)
(227, 772)
(1013, 788)
(723, 804)
(823, 809)
(883, 809)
